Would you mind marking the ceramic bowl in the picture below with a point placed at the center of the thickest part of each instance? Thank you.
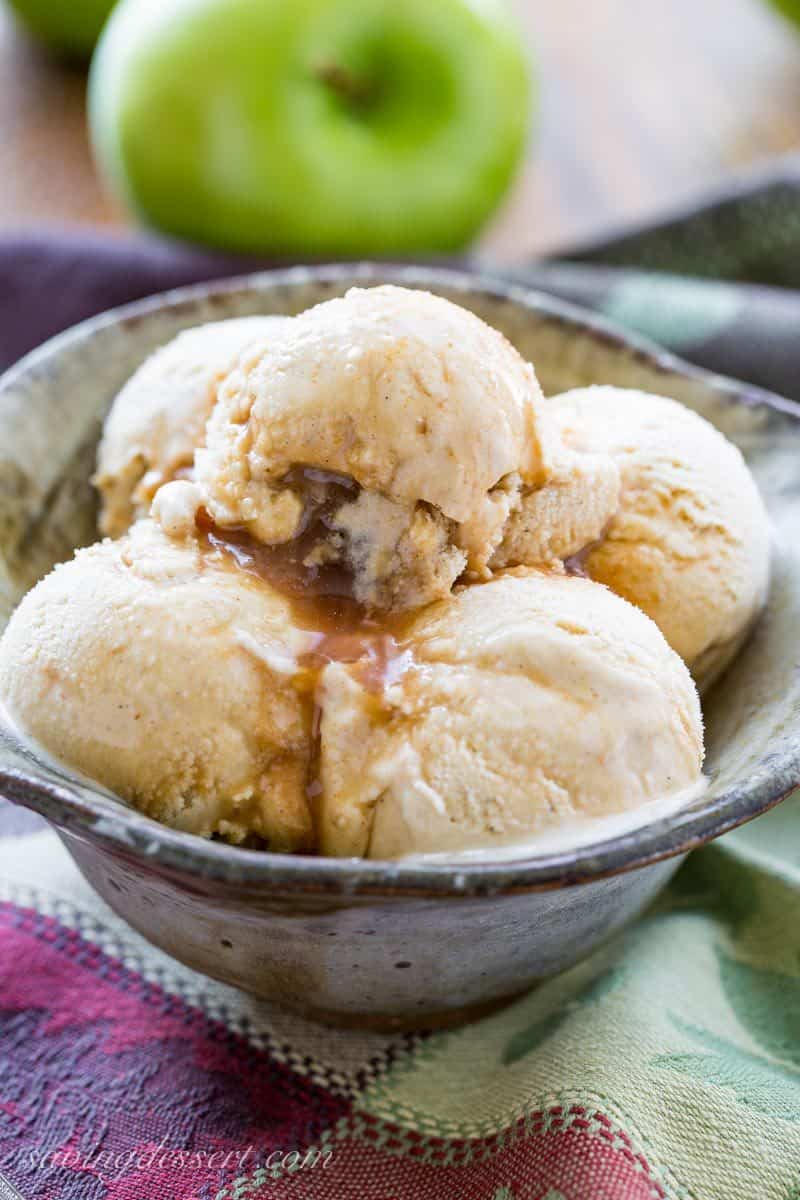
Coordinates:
(382, 943)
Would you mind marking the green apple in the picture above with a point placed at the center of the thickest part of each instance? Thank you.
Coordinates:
(71, 27)
(311, 127)
(789, 8)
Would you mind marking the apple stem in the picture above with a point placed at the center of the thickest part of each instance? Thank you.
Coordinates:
(347, 86)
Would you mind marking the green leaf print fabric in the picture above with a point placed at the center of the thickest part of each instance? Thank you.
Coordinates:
(719, 284)
(684, 1031)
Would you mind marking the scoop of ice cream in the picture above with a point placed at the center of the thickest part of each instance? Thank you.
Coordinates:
(169, 679)
(530, 701)
(564, 516)
(158, 419)
(689, 543)
(428, 415)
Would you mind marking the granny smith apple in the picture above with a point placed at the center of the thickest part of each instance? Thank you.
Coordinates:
(71, 27)
(311, 127)
(789, 8)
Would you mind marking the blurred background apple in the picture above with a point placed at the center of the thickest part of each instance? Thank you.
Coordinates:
(789, 8)
(312, 127)
(614, 147)
(70, 27)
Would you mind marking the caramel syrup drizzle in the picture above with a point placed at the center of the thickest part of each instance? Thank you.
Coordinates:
(321, 600)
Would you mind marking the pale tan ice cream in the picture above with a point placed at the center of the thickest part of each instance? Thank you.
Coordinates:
(563, 517)
(533, 700)
(689, 543)
(506, 710)
(168, 680)
(158, 419)
(428, 414)
(393, 438)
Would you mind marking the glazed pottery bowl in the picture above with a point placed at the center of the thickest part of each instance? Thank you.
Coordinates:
(386, 942)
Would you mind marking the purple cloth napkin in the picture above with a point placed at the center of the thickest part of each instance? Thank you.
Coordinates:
(49, 279)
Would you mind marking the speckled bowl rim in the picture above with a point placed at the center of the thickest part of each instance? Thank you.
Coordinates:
(98, 818)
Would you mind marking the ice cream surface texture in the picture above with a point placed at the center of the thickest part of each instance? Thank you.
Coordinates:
(161, 672)
(689, 543)
(533, 700)
(175, 678)
(158, 419)
(410, 424)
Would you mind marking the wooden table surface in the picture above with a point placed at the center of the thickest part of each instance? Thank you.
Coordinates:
(643, 104)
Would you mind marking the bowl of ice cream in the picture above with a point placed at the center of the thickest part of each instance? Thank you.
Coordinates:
(380, 697)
